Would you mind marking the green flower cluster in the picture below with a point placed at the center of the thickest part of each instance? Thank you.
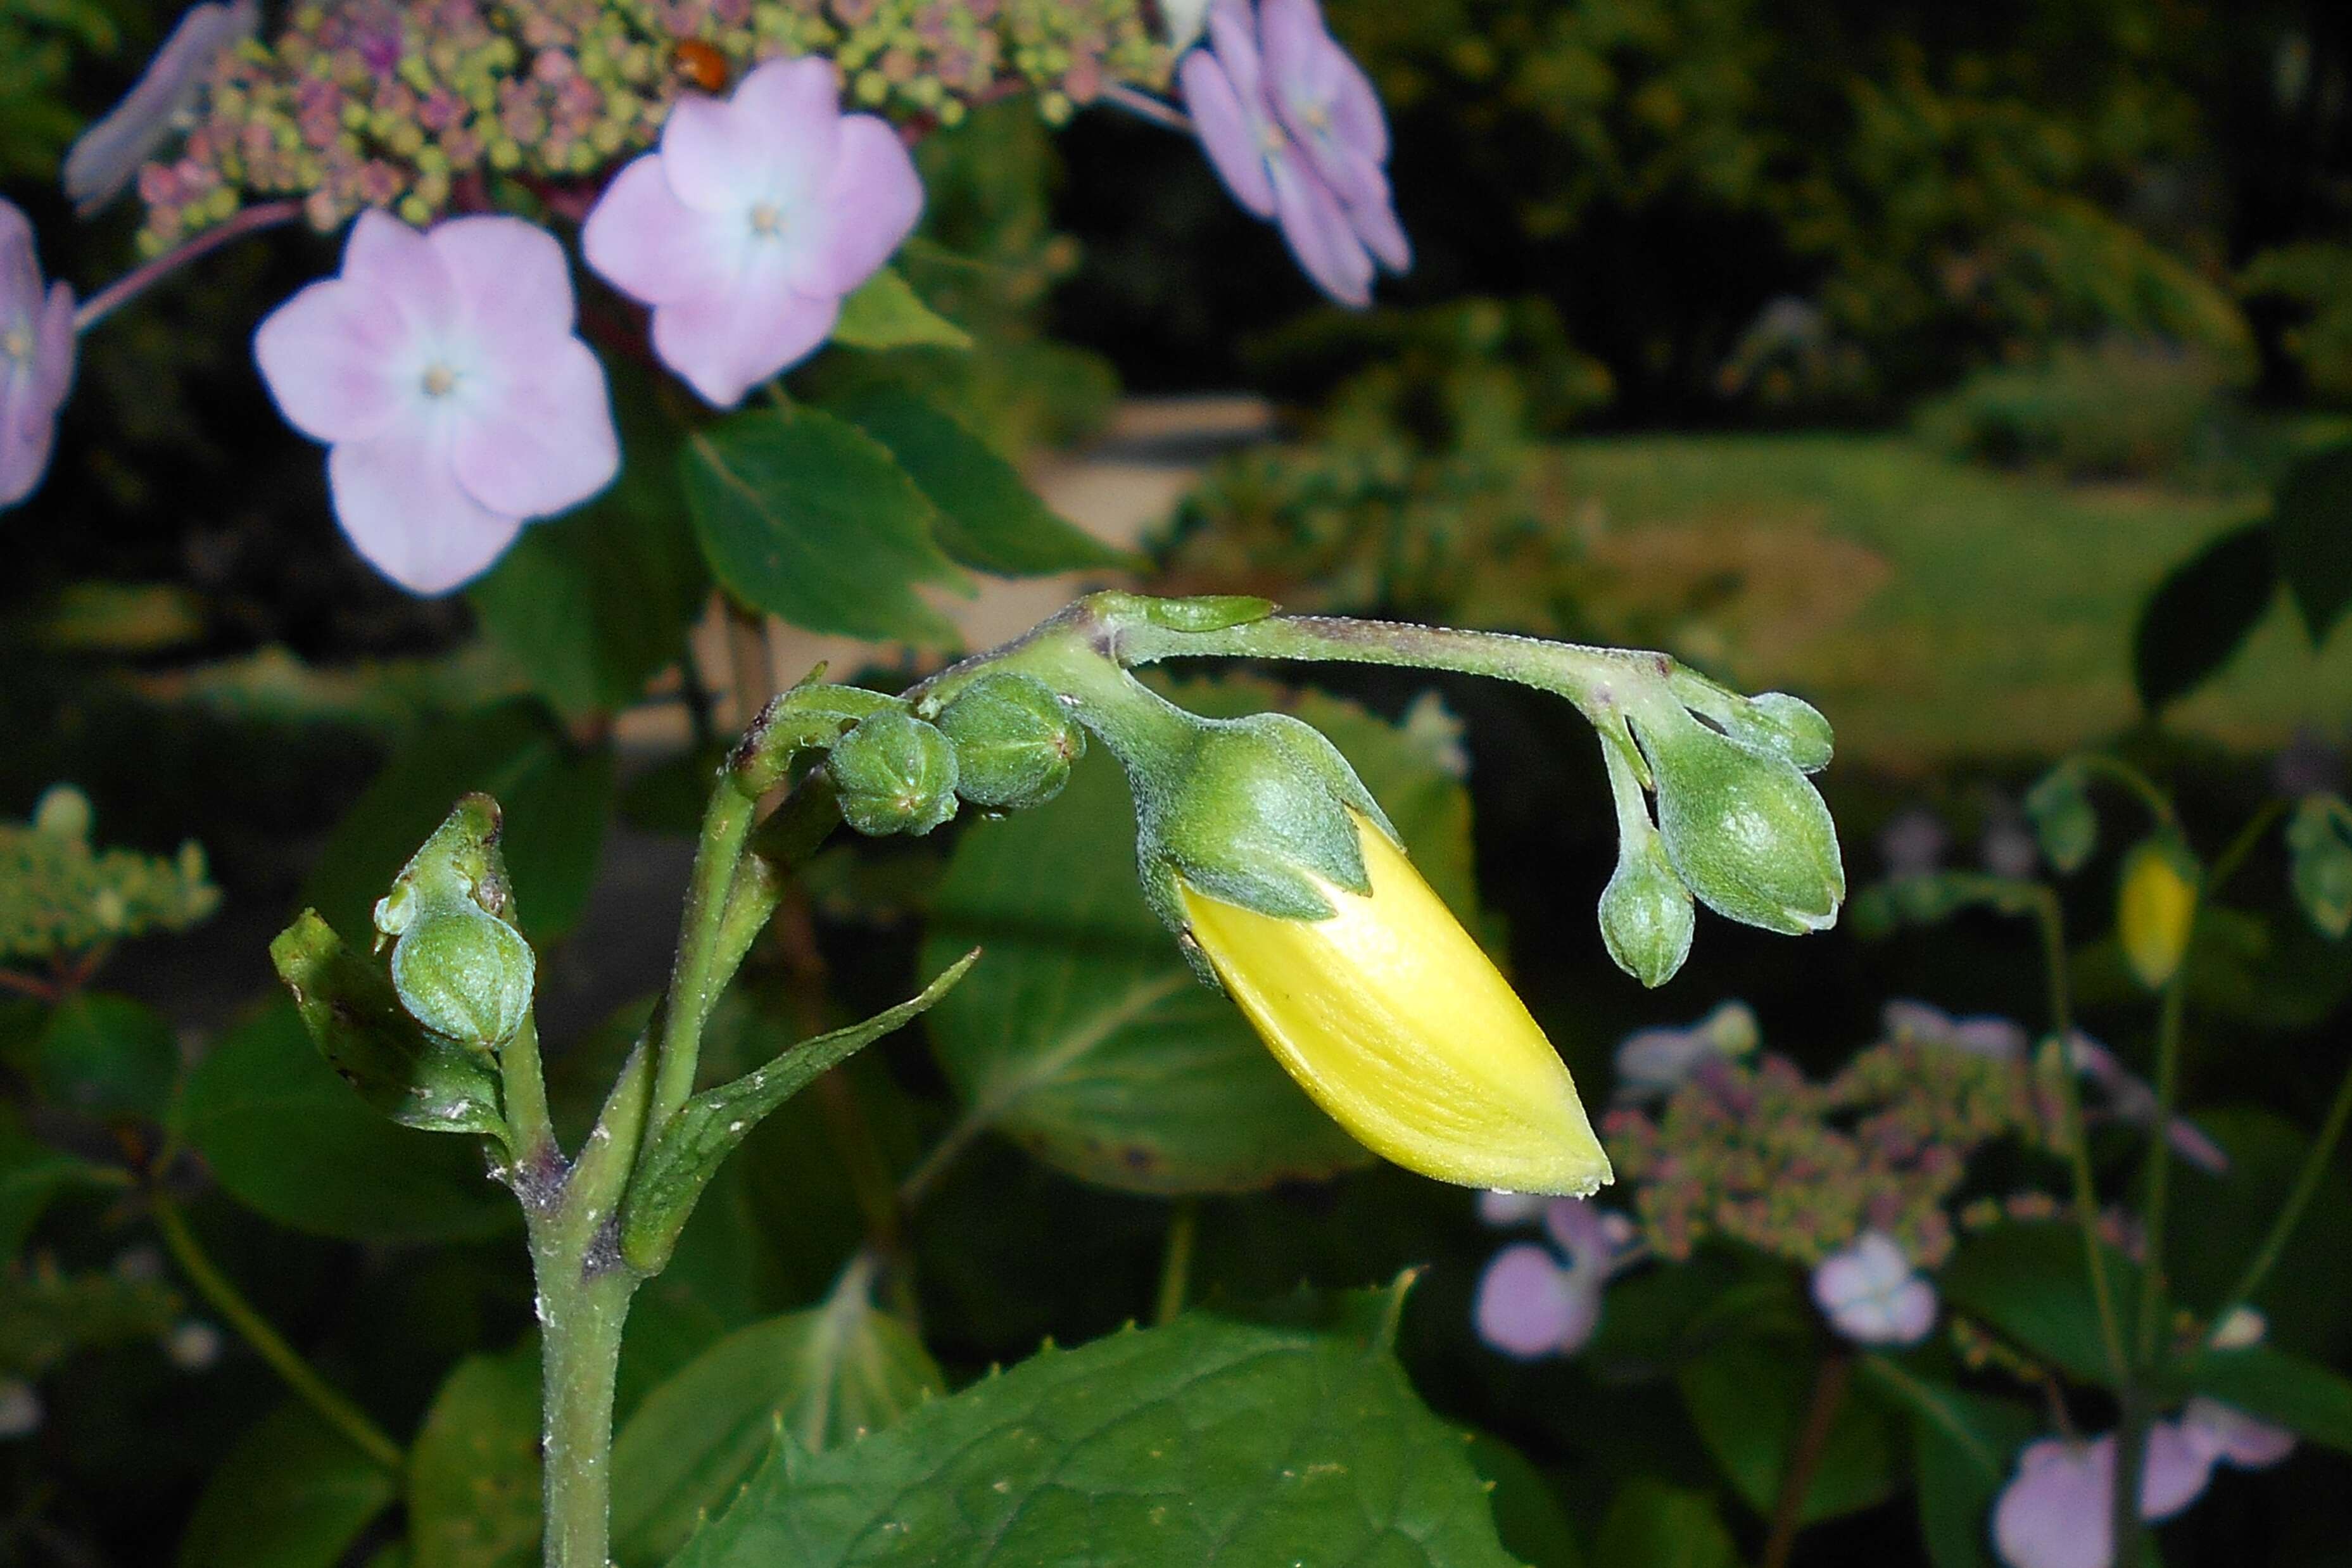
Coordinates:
(60, 897)
(379, 103)
(1762, 1155)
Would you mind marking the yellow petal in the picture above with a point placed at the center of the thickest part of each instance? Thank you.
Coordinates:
(1399, 1027)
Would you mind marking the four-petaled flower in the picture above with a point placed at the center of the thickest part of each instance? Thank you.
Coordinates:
(1530, 1302)
(1294, 128)
(1871, 1296)
(36, 358)
(752, 221)
(442, 371)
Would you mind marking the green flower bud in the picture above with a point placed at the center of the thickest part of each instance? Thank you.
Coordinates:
(1744, 829)
(2320, 838)
(63, 812)
(1791, 726)
(1014, 743)
(2059, 806)
(894, 775)
(465, 974)
(1646, 918)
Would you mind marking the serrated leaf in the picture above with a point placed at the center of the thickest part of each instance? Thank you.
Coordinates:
(803, 515)
(292, 1493)
(1086, 1039)
(2203, 612)
(2029, 1282)
(823, 1377)
(1206, 1440)
(355, 1018)
(1749, 1394)
(107, 1055)
(687, 1152)
(988, 516)
(289, 1140)
(557, 798)
(2311, 527)
(2308, 1398)
(591, 604)
(885, 313)
(473, 1475)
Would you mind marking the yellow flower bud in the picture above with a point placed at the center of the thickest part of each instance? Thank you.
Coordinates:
(2155, 909)
(1391, 1017)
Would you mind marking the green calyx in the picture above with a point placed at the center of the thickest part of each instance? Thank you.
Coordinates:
(894, 773)
(1741, 825)
(459, 964)
(1014, 741)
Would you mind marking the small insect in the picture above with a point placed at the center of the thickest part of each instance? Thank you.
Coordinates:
(700, 63)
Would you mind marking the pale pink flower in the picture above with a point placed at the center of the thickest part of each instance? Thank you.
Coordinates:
(752, 221)
(101, 162)
(2226, 1435)
(443, 371)
(36, 358)
(1293, 128)
(2053, 1513)
(1870, 1294)
(1531, 1307)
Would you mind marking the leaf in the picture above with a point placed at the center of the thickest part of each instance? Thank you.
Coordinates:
(2319, 840)
(1748, 1396)
(885, 313)
(2218, 1220)
(2311, 528)
(1963, 1446)
(1530, 1518)
(1206, 1440)
(2309, 1399)
(824, 1378)
(1086, 1039)
(46, 1316)
(355, 1018)
(1652, 1525)
(556, 799)
(473, 1476)
(108, 1057)
(2030, 1282)
(688, 1150)
(2065, 822)
(292, 1493)
(33, 1176)
(988, 516)
(803, 515)
(292, 1140)
(2201, 614)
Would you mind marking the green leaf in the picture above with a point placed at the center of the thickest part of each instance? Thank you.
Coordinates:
(473, 1476)
(688, 1150)
(2309, 1399)
(885, 313)
(802, 515)
(1086, 1039)
(33, 1176)
(556, 799)
(1206, 1440)
(46, 1316)
(355, 1018)
(2218, 1220)
(1652, 1525)
(2311, 526)
(292, 1140)
(293, 1493)
(988, 516)
(2320, 838)
(592, 604)
(1748, 1396)
(2203, 612)
(1530, 1518)
(823, 1378)
(2065, 822)
(2030, 1282)
(107, 1057)
(1963, 1446)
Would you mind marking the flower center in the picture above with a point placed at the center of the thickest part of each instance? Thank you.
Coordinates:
(767, 220)
(16, 342)
(440, 381)
(1270, 139)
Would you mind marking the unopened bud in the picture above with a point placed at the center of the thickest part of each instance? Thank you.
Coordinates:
(2155, 909)
(1743, 829)
(465, 974)
(1791, 726)
(1014, 743)
(62, 811)
(2064, 823)
(894, 775)
(2319, 840)
(1646, 918)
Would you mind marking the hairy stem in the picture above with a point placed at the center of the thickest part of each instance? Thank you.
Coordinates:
(284, 1359)
(583, 1305)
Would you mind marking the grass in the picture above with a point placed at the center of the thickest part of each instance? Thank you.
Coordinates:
(1933, 609)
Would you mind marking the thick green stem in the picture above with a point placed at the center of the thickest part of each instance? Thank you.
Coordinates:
(2306, 1185)
(2051, 919)
(531, 1128)
(284, 1359)
(583, 1303)
(1176, 1263)
(697, 975)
